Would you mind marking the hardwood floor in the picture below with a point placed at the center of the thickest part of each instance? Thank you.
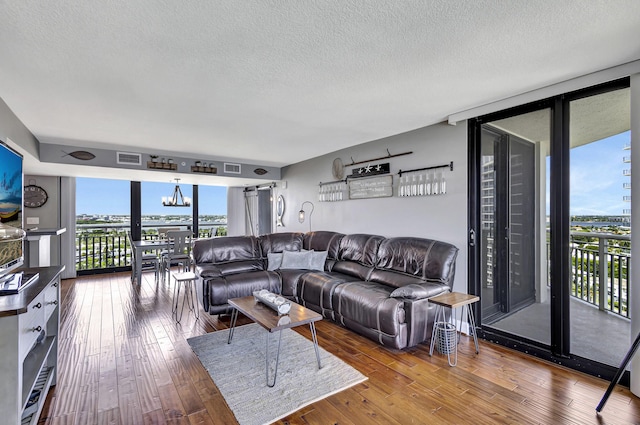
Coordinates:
(123, 360)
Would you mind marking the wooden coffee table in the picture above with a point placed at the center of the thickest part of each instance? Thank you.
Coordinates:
(272, 322)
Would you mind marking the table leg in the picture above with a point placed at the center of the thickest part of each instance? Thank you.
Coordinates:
(179, 318)
(139, 265)
(472, 324)
(452, 318)
(439, 310)
(234, 317)
(275, 372)
(194, 302)
(315, 343)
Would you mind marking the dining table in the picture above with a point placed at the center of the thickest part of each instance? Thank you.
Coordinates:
(140, 247)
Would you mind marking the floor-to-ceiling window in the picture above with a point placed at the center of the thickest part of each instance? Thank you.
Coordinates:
(107, 209)
(102, 218)
(548, 197)
(212, 211)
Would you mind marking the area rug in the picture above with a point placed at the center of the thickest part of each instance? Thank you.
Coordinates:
(238, 370)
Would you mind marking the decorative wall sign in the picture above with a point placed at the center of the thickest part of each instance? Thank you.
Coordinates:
(369, 170)
(373, 187)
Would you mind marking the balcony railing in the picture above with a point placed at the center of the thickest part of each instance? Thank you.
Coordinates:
(600, 270)
(102, 248)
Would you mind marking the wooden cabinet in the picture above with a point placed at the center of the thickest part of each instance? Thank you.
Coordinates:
(29, 323)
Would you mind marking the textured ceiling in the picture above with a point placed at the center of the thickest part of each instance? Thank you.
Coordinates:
(278, 82)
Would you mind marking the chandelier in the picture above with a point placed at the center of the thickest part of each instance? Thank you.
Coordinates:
(176, 199)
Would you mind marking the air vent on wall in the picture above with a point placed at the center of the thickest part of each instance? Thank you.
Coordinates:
(232, 168)
(129, 158)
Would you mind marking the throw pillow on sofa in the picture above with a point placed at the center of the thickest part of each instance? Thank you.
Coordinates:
(318, 258)
(296, 260)
(274, 260)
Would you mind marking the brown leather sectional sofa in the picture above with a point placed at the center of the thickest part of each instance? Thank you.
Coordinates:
(378, 287)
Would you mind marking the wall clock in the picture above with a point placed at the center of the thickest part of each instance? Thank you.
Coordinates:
(34, 196)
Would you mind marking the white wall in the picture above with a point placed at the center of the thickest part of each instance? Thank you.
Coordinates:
(48, 215)
(442, 217)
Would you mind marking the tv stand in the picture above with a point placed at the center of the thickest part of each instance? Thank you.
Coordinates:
(29, 324)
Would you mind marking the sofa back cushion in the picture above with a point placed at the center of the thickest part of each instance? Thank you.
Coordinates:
(280, 242)
(357, 255)
(415, 259)
(323, 241)
(227, 249)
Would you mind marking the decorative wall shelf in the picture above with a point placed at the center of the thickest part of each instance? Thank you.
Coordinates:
(161, 166)
(206, 170)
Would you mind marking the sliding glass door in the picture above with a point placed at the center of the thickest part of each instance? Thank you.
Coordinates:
(549, 191)
(510, 227)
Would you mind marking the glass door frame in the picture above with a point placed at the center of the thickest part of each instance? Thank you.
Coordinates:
(560, 259)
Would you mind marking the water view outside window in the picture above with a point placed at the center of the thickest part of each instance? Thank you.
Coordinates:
(103, 218)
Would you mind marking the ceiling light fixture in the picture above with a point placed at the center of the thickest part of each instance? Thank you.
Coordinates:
(177, 199)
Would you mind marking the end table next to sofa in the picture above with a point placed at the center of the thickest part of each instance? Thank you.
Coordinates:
(453, 300)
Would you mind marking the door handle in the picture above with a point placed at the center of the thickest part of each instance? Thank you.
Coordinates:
(472, 237)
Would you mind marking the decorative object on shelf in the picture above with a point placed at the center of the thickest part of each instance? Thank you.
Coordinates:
(423, 181)
(369, 170)
(379, 159)
(302, 214)
(332, 191)
(176, 199)
(164, 164)
(280, 211)
(203, 167)
(337, 169)
(35, 196)
(372, 187)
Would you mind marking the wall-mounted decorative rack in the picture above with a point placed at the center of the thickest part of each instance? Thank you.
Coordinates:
(162, 166)
(389, 155)
(332, 182)
(422, 182)
(449, 165)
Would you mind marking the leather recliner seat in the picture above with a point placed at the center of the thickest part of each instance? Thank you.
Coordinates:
(378, 287)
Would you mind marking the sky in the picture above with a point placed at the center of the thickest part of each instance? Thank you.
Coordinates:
(597, 177)
(111, 197)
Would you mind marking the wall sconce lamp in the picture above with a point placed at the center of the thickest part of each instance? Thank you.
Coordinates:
(301, 213)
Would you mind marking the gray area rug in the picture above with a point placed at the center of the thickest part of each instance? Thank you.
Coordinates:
(238, 370)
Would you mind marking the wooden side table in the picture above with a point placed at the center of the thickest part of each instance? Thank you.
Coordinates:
(453, 300)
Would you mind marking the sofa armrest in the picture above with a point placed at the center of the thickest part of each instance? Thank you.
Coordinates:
(418, 291)
(208, 271)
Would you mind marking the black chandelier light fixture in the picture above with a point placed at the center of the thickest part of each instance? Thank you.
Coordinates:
(176, 199)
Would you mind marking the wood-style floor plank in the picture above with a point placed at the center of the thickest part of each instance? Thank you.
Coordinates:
(124, 360)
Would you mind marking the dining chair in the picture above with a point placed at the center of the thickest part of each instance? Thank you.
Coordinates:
(146, 260)
(178, 252)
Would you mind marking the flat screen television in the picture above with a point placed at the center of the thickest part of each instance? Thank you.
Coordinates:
(11, 175)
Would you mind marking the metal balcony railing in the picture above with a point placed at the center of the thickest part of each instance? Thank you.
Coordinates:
(601, 264)
(101, 248)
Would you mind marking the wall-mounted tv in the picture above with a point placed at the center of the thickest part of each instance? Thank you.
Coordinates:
(11, 248)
